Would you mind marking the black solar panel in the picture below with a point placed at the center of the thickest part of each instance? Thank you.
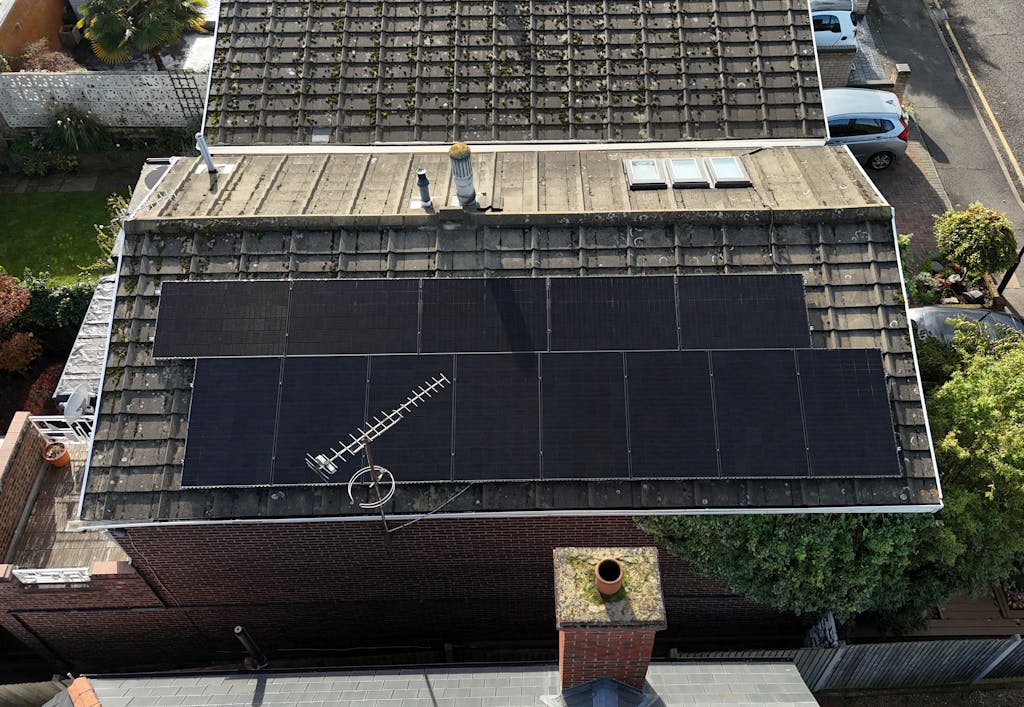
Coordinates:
(661, 414)
(231, 422)
(849, 424)
(671, 417)
(583, 416)
(353, 317)
(323, 400)
(613, 313)
(486, 314)
(743, 312)
(221, 319)
(419, 448)
(757, 405)
(476, 315)
(496, 408)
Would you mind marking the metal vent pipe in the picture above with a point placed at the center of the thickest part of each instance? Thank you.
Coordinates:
(462, 171)
(259, 659)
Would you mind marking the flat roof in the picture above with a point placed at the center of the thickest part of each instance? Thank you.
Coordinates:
(362, 72)
(842, 244)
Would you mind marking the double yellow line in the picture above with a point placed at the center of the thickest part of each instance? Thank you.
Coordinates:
(985, 105)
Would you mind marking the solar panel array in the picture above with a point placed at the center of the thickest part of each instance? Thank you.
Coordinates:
(474, 315)
(603, 415)
(560, 378)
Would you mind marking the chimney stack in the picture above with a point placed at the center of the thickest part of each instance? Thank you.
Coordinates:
(462, 170)
(604, 635)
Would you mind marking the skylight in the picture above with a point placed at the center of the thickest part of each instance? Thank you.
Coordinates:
(728, 172)
(644, 174)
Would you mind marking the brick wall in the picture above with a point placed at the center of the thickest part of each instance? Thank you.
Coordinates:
(20, 458)
(112, 585)
(835, 66)
(586, 654)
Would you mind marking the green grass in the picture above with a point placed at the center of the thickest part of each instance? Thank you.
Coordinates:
(50, 232)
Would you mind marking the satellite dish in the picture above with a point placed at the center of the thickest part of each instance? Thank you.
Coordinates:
(77, 404)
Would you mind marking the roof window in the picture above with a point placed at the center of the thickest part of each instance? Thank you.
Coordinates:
(644, 174)
(728, 172)
(687, 173)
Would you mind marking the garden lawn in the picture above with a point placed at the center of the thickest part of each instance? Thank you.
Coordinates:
(50, 232)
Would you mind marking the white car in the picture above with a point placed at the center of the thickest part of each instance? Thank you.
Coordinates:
(873, 124)
(834, 28)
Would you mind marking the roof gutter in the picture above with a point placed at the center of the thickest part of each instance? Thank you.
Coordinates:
(481, 147)
(83, 526)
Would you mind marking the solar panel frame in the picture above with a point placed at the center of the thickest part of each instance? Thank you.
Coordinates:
(323, 399)
(354, 316)
(845, 389)
(759, 414)
(484, 315)
(221, 318)
(232, 422)
(497, 406)
(583, 416)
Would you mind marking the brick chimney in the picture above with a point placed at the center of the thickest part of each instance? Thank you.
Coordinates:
(606, 636)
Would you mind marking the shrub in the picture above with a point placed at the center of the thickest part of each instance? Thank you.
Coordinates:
(39, 398)
(54, 312)
(17, 352)
(106, 234)
(13, 299)
(38, 56)
(71, 131)
(978, 238)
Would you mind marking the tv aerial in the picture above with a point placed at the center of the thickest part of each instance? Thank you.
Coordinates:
(326, 464)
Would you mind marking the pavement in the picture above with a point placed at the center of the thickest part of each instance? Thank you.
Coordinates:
(964, 163)
(98, 173)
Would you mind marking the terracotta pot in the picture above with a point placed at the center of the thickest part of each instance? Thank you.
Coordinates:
(57, 454)
(608, 576)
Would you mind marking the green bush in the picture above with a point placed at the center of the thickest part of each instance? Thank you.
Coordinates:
(978, 238)
(71, 131)
(54, 312)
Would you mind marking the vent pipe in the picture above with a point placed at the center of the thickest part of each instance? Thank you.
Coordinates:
(205, 152)
(257, 657)
(424, 184)
(462, 170)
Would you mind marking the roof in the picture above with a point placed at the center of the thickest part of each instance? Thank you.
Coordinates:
(309, 216)
(777, 684)
(85, 363)
(394, 71)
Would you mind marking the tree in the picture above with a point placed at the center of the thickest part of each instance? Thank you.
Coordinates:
(17, 349)
(119, 29)
(894, 566)
(978, 238)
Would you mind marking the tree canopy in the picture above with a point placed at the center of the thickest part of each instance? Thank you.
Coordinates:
(894, 566)
(120, 29)
(978, 238)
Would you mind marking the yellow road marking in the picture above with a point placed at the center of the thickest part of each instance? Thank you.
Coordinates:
(985, 105)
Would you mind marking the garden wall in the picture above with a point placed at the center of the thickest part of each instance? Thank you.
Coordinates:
(117, 99)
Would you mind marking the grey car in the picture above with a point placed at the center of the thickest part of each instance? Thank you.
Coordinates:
(936, 321)
(871, 123)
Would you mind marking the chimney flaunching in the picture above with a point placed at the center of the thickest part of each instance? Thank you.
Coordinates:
(606, 635)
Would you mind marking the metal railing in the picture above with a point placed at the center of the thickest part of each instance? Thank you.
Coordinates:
(57, 428)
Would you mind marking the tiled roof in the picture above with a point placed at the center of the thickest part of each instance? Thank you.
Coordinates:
(342, 216)
(755, 684)
(85, 363)
(370, 71)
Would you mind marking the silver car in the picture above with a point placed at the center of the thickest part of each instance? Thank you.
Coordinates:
(937, 321)
(872, 123)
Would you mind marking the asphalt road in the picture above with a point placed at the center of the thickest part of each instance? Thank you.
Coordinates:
(989, 32)
(963, 155)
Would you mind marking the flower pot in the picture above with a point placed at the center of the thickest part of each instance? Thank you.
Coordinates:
(70, 36)
(608, 576)
(57, 454)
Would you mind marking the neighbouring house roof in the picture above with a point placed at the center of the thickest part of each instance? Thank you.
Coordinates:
(395, 71)
(809, 211)
(777, 684)
(85, 363)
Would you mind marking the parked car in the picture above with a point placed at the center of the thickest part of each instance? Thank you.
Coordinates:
(872, 123)
(936, 321)
(845, 5)
(834, 28)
